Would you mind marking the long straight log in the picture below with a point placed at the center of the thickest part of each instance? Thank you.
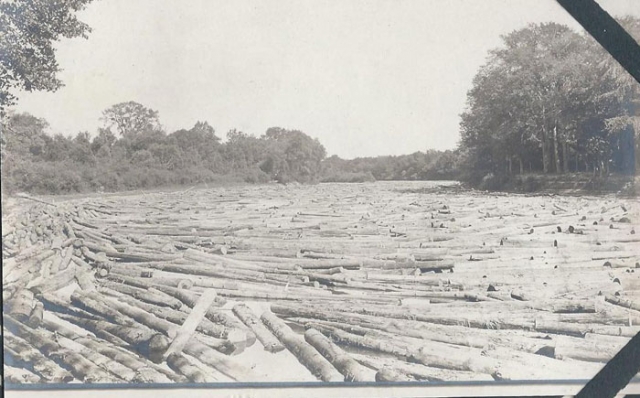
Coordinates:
(632, 305)
(140, 316)
(584, 350)
(222, 363)
(304, 352)
(147, 342)
(346, 365)
(25, 352)
(54, 303)
(208, 258)
(146, 372)
(452, 335)
(188, 328)
(58, 281)
(419, 371)
(180, 364)
(561, 328)
(148, 296)
(479, 323)
(96, 304)
(81, 367)
(118, 370)
(188, 298)
(177, 317)
(266, 338)
(347, 339)
(130, 256)
(213, 314)
(13, 375)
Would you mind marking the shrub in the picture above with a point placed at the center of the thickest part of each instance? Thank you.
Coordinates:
(493, 182)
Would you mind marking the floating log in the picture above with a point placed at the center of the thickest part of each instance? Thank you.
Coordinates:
(54, 303)
(21, 304)
(86, 280)
(142, 317)
(188, 298)
(81, 367)
(98, 305)
(152, 297)
(387, 374)
(188, 328)
(565, 328)
(180, 364)
(304, 352)
(146, 372)
(25, 352)
(632, 305)
(14, 375)
(119, 371)
(419, 371)
(352, 340)
(220, 362)
(585, 350)
(346, 365)
(490, 323)
(146, 341)
(35, 318)
(60, 280)
(266, 338)
(178, 317)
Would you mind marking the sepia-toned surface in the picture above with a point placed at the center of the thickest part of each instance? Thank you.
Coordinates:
(386, 281)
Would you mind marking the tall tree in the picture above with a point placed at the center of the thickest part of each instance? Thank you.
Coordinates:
(28, 30)
(131, 119)
(547, 96)
(293, 155)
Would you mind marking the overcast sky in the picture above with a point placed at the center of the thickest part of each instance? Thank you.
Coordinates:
(366, 78)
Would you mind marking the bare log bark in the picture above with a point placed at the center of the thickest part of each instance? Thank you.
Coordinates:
(305, 353)
(632, 305)
(419, 371)
(81, 368)
(346, 365)
(266, 338)
(98, 305)
(220, 362)
(180, 364)
(148, 296)
(13, 375)
(35, 318)
(25, 352)
(146, 372)
(147, 342)
(21, 304)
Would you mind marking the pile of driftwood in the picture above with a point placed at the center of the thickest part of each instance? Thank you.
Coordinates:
(357, 282)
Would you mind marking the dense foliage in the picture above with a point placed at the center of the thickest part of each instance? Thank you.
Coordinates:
(430, 165)
(28, 29)
(140, 154)
(550, 100)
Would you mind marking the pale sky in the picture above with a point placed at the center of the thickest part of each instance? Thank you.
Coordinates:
(365, 77)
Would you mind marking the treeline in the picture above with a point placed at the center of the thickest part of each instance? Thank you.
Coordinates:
(429, 165)
(133, 151)
(550, 100)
